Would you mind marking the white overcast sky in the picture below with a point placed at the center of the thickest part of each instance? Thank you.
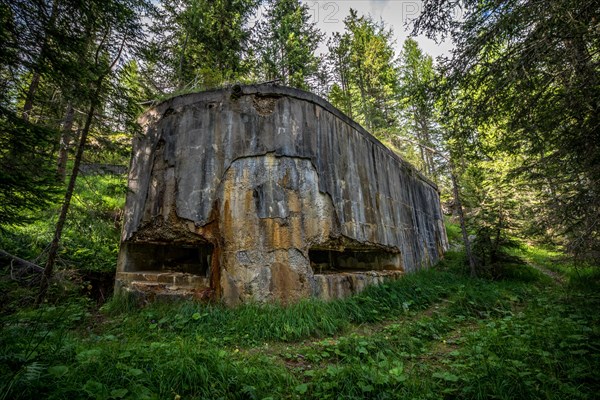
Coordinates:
(330, 15)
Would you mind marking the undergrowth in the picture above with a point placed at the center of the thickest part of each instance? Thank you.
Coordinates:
(87, 255)
(435, 333)
(90, 238)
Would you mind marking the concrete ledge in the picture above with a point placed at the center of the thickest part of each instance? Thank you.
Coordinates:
(151, 286)
(343, 284)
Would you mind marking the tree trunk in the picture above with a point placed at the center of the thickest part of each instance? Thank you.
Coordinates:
(345, 86)
(496, 243)
(20, 261)
(65, 141)
(33, 85)
(463, 227)
(428, 155)
(62, 218)
(53, 251)
(35, 80)
(181, 84)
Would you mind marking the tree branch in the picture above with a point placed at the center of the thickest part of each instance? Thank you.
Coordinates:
(18, 260)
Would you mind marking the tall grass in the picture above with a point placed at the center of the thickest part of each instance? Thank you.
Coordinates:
(435, 333)
(253, 324)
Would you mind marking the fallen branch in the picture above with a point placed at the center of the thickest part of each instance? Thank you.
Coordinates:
(15, 259)
(21, 270)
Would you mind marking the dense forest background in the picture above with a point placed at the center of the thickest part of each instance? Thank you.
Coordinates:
(507, 126)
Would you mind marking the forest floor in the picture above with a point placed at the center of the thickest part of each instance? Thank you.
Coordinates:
(532, 332)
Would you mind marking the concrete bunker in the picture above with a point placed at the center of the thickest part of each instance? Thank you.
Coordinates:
(270, 194)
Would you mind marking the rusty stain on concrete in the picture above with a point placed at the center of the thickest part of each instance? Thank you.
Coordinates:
(269, 194)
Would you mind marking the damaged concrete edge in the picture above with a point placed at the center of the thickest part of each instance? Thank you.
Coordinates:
(182, 226)
(276, 155)
(343, 242)
(238, 91)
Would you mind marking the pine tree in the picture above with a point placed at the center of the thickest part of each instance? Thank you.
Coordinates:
(417, 80)
(286, 44)
(27, 175)
(116, 26)
(199, 44)
(365, 72)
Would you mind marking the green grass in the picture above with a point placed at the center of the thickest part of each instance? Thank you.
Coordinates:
(576, 274)
(453, 231)
(254, 324)
(434, 334)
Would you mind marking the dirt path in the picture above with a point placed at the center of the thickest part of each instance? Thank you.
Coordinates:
(555, 276)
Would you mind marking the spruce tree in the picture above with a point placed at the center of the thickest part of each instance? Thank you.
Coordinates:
(286, 44)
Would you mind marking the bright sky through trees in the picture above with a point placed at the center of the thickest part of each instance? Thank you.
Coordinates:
(330, 15)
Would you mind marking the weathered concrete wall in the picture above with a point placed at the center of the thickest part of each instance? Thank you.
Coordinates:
(281, 194)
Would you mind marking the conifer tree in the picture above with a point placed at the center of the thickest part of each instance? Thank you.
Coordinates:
(417, 80)
(365, 72)
(116, 26)
(286, 44)
(199, 44)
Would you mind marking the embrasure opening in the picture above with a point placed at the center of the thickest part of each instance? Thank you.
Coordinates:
(324, 261)
(186, 258)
